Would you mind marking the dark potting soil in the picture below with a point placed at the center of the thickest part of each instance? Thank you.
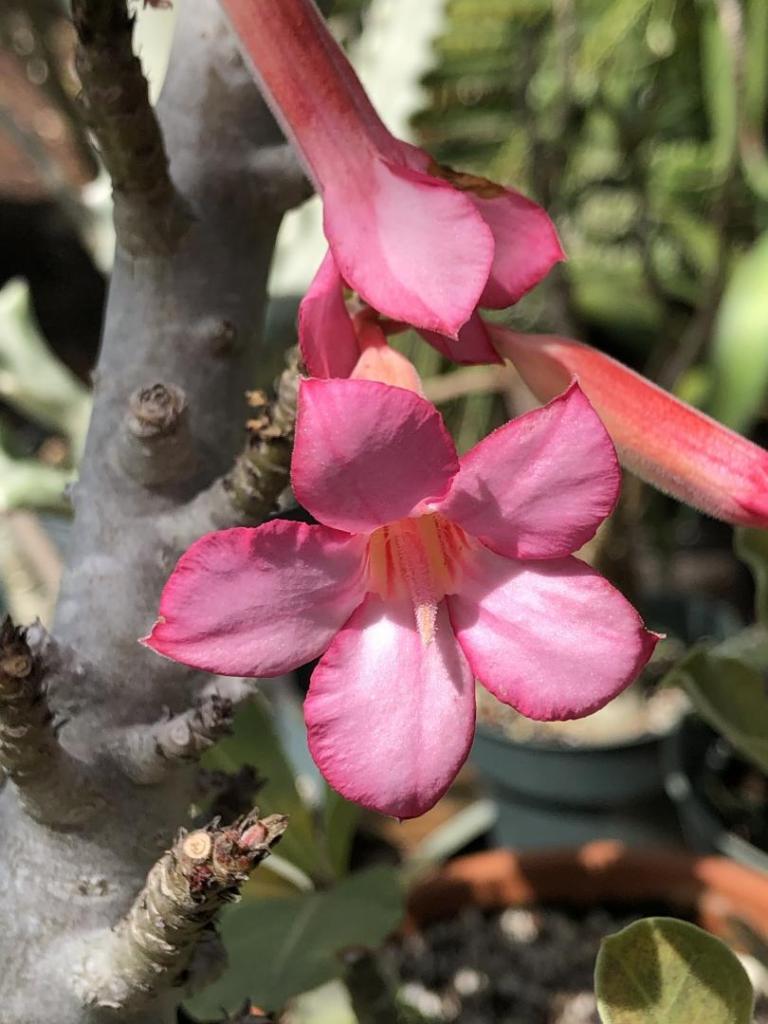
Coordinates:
(517, 966)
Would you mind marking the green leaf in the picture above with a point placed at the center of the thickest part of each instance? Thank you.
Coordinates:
(280, 948)
(731, 696)
(340, 818)
(720, 94)
(749, 646)
(614, 23)
(751, 546)
(32, 378)
(663, 971)
(740, 349)
(254, 741)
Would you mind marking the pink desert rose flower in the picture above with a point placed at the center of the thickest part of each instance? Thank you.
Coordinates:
(425, 572)
(420, 244)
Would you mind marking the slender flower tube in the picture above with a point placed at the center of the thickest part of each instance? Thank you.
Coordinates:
(664, 441)
(424, 573)
(419, 243)
(379, 361)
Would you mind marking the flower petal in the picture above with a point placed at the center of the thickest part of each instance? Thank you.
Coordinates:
(258, 602)
(553, 639)
(527, 246)
(473, 344)
(367, 453)
(412, 246)
(391, 719)
(326, 335)
(539, 486)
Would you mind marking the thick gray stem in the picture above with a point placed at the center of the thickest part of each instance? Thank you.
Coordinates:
(188, 317)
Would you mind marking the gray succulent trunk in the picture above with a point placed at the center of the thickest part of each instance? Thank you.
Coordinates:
(114, 778)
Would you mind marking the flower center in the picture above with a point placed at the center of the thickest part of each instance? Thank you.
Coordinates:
(419, 558)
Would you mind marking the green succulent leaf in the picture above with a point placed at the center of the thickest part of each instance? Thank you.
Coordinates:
(751, 546)
(279, 948)
(664, 971)
(340, 819)
(730, 694)
(255, 741)
(740, 351)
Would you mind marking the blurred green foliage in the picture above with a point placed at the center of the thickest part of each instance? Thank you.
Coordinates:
(726, 681)
(279, 948)
(640, 125)
(621, 118)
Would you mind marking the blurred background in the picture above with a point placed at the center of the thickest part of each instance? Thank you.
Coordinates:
(641, 126)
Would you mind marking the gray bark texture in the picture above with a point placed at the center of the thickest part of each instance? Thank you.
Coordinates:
(124, 726)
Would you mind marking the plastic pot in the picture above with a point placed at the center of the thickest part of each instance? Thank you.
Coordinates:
(550, 795)
(704, 830)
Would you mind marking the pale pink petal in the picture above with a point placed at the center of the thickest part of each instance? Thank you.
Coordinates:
(391, 719)
(553, 639)
(412, 246)
(473, 344)
(538, 487)
(326, 335)
(527, 246)
(367, 453)
(258, 602)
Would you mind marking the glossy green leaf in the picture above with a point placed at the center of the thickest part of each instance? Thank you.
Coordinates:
(254, 741)
(282, 947)
(731, 696)
(740, 350)
(663, 971)
(751, 546)
(340, 819)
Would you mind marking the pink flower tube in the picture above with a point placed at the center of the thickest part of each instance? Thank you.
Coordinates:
(419, 243)
(663, 440)
(424, 572)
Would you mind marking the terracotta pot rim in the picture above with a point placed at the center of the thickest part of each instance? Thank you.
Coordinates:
(716, 889)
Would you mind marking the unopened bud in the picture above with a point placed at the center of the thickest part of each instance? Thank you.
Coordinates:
(664, 441)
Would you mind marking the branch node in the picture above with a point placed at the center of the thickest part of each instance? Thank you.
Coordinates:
(283, 183)
(152, 948)
(155, 445)
(252, 489)
(156, 410)
(148, 753)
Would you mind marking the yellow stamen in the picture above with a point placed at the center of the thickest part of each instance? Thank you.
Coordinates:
(419, 558)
